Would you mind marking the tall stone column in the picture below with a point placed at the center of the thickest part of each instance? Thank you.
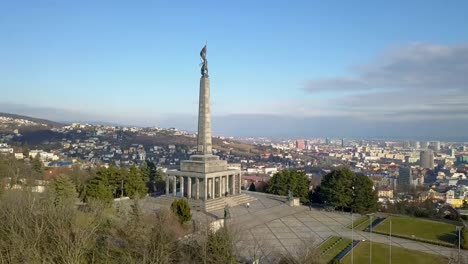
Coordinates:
(167, 185)
(226, 184)
(189, 187)
(223, 187)
(210, 192)
(205, 182)
(219, 186)
(174, 185)
(181, 180)
(197, 188)
(213, 186)
(204, 118)
(240, 183)
(232, 189)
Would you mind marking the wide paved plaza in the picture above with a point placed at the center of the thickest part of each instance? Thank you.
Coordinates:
(270, 227)
(274, 227)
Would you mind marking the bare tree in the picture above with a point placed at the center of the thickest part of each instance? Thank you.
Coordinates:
(211, 246)
(33, 230)
(306, 253)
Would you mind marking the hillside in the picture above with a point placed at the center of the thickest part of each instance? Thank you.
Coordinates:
(41, 132)
(32, 119)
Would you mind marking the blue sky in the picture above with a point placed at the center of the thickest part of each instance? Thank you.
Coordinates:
(138, 62)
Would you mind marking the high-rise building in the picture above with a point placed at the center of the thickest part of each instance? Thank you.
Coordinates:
(406, 144)
(405, 176)
(300, 144)
(435, 145)
(462, 159)
(343, 142)
(415, 144)
(451, 152)
(424, 144)
(327, 141)
(426, 159)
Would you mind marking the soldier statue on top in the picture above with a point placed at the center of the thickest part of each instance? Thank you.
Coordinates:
(204, 64)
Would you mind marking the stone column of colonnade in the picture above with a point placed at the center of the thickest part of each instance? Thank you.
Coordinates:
(167, 185)
(181, 181)
(231, 184)
(174, 185)
(189, 187)
(205, 195)
(225, 185)
(213, 188)
(197, 188)
(240, 183)
(220, 183)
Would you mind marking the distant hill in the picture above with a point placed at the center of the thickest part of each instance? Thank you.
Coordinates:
(33, 119)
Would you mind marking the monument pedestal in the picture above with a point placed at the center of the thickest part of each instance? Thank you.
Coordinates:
(294, 202)
(203, 164)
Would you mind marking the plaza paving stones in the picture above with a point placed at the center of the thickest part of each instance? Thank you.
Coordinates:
(278, 228)
(272, 227)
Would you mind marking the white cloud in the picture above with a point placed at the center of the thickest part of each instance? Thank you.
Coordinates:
(417, 66)
(415, 82)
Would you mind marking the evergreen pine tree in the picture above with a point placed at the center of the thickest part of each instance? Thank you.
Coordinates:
(181, 208)
(37, 164)
(98, 189)
(62, 191)
(252, 187)
(134, 185)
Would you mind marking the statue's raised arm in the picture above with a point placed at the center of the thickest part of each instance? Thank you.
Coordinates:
(204, 67)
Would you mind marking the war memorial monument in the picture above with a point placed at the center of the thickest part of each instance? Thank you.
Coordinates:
(204, 176)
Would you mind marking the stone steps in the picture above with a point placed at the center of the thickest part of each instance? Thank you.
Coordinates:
(210, 205)
(232, 201)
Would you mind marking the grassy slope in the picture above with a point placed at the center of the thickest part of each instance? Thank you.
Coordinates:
(335, 250)
(328, 243)
(361, 223)
(381, 252)
(420, 228)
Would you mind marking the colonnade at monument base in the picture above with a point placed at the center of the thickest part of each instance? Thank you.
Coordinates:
(203, 187)
(203, 178)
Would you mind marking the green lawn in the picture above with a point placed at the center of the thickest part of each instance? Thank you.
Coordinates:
(361, 223)
(419, 228)
(381, 252)
(358, 221)
(335, 250)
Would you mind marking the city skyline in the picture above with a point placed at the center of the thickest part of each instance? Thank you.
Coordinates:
(292, 76)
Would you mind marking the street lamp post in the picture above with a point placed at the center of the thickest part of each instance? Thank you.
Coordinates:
(352, 228)
(352, 235)
(370, 239)
(459, 228)
(390, 259)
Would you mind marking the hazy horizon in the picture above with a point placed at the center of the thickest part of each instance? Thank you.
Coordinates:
(251, 126)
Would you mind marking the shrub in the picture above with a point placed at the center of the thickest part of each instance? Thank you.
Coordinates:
(181, 208)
